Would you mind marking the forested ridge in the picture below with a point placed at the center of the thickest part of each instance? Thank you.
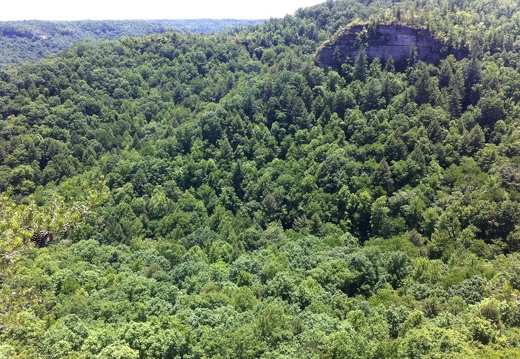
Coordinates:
(222, 196)
(31, 40)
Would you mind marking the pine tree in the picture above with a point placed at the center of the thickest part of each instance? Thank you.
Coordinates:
(390, 66)
(361, 66)
(455, 93)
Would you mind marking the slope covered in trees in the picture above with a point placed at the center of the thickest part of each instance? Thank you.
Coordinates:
(245, 203)
(31, 40)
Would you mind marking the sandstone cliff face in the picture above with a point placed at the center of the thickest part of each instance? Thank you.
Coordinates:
(395, 40)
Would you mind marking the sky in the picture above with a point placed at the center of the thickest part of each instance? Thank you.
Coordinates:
(148, 9)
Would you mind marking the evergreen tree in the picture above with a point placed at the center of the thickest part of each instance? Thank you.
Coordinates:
(389, 66)
(361, 66)
(455, 94)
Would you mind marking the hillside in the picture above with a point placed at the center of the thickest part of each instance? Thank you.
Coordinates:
(31, 40)
(223, 196)
(387, 42)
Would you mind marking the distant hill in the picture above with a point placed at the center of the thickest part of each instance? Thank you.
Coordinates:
(23, 41)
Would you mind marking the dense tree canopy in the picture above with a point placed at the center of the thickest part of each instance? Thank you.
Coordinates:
(31, 40)
(245, 203)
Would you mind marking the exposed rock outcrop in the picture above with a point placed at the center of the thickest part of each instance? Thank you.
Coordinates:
(384, 41)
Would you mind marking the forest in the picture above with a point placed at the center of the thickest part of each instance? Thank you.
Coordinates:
(221, 195)
(31, 40)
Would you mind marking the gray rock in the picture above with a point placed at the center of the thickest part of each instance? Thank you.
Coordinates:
(395, 40)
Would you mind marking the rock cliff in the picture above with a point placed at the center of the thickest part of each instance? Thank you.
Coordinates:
(385, 40)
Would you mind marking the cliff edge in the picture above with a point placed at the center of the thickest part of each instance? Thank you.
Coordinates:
(384, 41)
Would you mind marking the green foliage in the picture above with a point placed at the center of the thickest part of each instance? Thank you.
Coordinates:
(24, 41)
(243, 202)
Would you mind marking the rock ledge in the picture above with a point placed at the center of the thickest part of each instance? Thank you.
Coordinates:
(384, 41)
